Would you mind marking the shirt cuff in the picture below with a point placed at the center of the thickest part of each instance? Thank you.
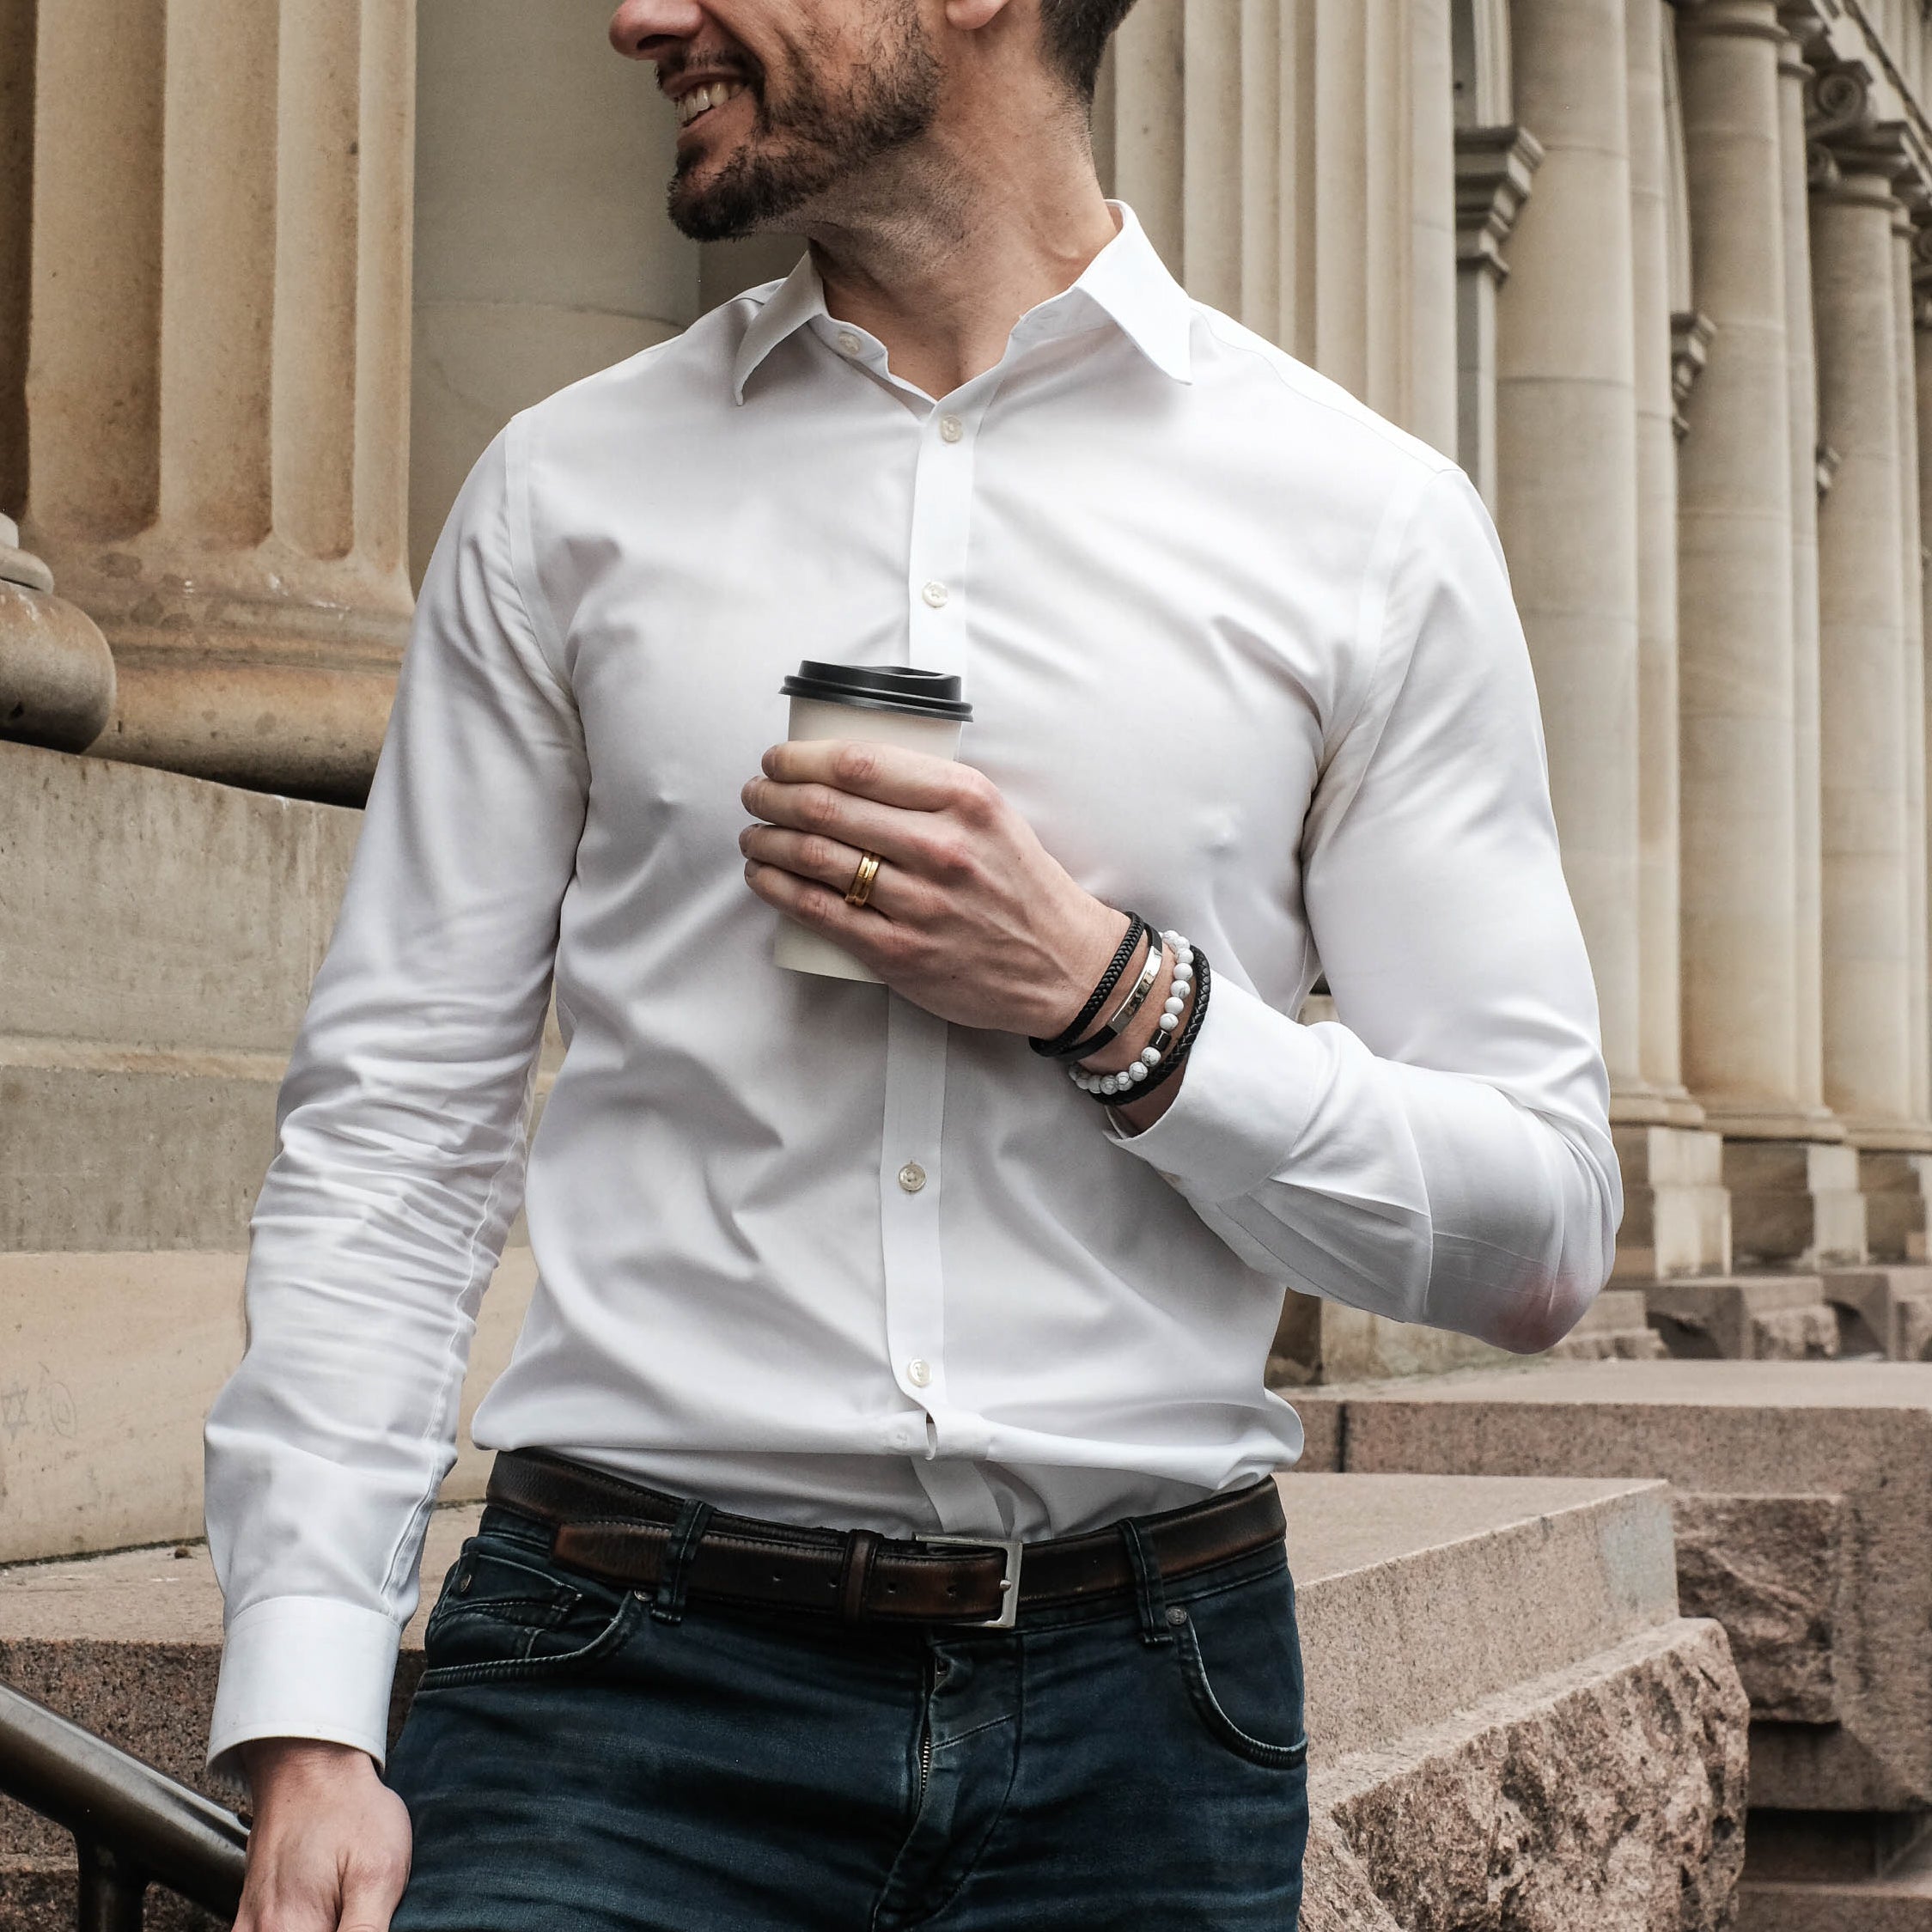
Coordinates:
(1249, 1088)
(303, 1667)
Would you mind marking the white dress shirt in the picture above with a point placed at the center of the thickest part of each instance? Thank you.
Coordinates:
(1242, 653)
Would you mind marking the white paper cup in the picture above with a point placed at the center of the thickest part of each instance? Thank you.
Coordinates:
(798, 947)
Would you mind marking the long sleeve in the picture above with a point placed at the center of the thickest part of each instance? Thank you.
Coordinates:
(398, 1168)
(1441, 1154)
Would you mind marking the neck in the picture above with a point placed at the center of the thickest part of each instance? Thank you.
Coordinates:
(957, 247)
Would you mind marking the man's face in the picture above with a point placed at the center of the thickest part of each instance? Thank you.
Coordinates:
(780, 101)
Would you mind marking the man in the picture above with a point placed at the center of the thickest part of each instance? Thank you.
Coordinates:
(829, 1272)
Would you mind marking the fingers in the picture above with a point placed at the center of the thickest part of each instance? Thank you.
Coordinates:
(883, 943)
(830, 861)
(888, 774)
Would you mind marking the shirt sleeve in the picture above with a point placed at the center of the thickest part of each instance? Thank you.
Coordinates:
(1442, 1154)
(399, 1161)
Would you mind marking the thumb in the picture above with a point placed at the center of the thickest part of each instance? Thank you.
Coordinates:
(367, 1902)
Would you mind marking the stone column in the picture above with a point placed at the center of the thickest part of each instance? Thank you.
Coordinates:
(1676, 1215)
(1433, 409)
(1788, 1202)
(1566, 490)
(1800, 17)
(1867, 897)
(1915, 1180)
(1912, 563)
(215, 404)
(1895, 1182)
(1494, 167)
(57, 678)
(1739, 887)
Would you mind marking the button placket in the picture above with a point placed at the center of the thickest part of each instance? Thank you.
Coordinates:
(916, 1039)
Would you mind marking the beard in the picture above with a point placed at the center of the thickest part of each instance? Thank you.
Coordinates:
(803, 144)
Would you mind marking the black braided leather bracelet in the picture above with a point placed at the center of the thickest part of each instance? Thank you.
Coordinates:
(1070, 1044)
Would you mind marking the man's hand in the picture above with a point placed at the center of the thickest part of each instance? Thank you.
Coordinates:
(969, 916)
(330, 1848)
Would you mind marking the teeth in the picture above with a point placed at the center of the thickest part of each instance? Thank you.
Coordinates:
(711, 95)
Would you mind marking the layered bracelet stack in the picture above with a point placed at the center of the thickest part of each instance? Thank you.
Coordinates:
(1158, 1060)
(1187, 995)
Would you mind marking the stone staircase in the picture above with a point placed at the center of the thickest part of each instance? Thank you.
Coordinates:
(1802, 1498)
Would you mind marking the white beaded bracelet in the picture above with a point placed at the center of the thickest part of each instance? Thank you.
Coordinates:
(1165, 1028)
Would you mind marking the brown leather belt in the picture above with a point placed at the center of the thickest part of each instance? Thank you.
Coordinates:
(620, 1531)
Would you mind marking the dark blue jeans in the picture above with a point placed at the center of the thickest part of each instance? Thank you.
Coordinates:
(574, 1762)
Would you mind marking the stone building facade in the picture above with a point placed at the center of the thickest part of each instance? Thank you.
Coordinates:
(1647, 270)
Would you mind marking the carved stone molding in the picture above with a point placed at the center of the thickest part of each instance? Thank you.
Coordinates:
(1691, 334)
(1845, 139)
(1494, 167)
(1840, 101)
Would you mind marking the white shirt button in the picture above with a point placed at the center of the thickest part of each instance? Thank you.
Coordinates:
(849, 341)
(951, 429)
(912, 1177)
(935, 594)
(919, 1372)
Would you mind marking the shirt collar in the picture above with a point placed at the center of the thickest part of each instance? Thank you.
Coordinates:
(1127, 281)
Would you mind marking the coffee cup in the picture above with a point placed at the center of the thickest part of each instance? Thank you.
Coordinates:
(881, 704)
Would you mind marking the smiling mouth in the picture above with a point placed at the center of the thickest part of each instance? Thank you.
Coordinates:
(701, 100)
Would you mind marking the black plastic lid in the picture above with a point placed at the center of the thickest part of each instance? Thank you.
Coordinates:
(880, 688)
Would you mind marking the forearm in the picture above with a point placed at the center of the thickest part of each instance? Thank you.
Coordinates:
(1421, 1195)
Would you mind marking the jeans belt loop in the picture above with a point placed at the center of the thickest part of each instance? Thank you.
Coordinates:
(1148, 1594)
(674, 1581)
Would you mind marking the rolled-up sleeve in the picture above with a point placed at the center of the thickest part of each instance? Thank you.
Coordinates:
(401, 1125)
(1441, 1153)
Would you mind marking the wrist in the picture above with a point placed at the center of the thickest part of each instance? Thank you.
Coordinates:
(1092, 948)
(281, 1768)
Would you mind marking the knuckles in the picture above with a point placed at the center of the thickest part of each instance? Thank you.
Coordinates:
(975, 798)
(950, 862)
(854, 765)
(817, 808)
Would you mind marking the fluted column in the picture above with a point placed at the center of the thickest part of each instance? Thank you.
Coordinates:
(1432, 277)
(215, 406)
(1911, 564)
(1566, 493)
(1739, 845)
(1268, 147)
(1867, 898)
(1659, 977)
(1801, 363)
(57, 678)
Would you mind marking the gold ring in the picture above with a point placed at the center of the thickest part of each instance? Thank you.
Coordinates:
(860, 890)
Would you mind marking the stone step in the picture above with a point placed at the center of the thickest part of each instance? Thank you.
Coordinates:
(1744, 1318)
(1477, 1627)
(1803, 1491)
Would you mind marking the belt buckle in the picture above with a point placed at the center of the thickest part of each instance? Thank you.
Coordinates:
(1010, 1582)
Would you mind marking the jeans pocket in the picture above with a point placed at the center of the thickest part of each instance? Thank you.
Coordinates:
(506, 1610)
(1261, 1680)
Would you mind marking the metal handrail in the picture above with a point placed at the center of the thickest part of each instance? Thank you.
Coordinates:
(133, 1825)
